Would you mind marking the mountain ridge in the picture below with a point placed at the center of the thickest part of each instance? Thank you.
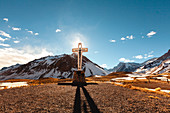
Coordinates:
(148, 67)
(59, 66)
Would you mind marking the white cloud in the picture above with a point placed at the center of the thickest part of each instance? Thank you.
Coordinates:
(6, 19)
(5, 34)
(123, 38)
(130, 37)
(150, 56)
(151, 33)
(11, 56)
(5, 45)
(16, 41)
(151, 52)
(16, 29)
(30, 32)
(96, 52)
(145, 56)
(125, 60)
(104, 65)
(112, 40)
(36, 34)
(2, 39)
(138, 57)
(58, 30)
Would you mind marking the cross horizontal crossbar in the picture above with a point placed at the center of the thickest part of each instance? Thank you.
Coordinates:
(82, 49)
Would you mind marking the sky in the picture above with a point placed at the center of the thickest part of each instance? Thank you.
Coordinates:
(113, 30)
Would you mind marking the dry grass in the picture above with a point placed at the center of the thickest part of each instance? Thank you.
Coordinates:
(39, 81)
(165, 74)
(108, 77)
(151, 85)
(130, 86)
(152, 97)
(48, 80)
(158, 89)
(17, 80)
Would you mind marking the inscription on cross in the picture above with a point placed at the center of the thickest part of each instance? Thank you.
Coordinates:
(79, 51)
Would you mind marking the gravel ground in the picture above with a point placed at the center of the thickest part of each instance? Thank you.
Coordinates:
(92, 98)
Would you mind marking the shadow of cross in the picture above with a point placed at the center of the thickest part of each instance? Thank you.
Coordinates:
(77, 102)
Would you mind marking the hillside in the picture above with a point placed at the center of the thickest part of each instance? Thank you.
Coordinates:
(60, 66)
(151, 66)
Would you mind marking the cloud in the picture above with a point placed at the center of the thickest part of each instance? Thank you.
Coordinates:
(5, 34)
(58, 30)
(145, 56)
(125, 60)
(150, 55)
(151, 33)
(138, 57)
(151, 52)
(96, 52)
(104, 65)
(5, 45)
(5, 19)
(11, 56)
(36, 34)
(130, 37)
(123, 38)
(1, 39)
(112, 40)
(16, 41)
(16, 29)
(30, 32)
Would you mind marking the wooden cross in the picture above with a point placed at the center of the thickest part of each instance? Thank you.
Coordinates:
(79, 50)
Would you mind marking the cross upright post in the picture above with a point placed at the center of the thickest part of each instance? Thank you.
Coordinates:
(79, 50)
(79, 75)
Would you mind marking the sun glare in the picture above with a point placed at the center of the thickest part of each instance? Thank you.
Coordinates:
(78, 38)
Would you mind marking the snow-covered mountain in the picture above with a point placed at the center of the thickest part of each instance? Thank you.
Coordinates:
(164, 67)
(151, 66)
(60, 66)
(125, 67)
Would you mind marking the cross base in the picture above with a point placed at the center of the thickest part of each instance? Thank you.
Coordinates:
(79, 78)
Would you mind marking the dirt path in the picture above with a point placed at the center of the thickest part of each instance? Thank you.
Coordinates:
(68, 99)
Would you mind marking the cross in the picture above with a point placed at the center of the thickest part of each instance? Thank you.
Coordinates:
(79, 50)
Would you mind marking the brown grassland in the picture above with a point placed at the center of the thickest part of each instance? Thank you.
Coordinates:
(142, 85)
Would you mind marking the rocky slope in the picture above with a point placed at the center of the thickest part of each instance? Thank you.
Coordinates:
(157, 65)
(164, 67)
(125, 67)
(60, 66)
(151, 66)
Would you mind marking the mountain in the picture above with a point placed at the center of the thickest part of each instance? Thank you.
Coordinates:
(164, 67)
(151, 66)
(13, 66)
(125, 67)
(60, 66)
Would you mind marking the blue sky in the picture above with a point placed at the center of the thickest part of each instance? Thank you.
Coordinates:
(113, 30)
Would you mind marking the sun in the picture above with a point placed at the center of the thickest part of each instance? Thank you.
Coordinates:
(78, 38)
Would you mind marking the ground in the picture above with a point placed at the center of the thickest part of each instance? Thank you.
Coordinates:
(103, 97)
